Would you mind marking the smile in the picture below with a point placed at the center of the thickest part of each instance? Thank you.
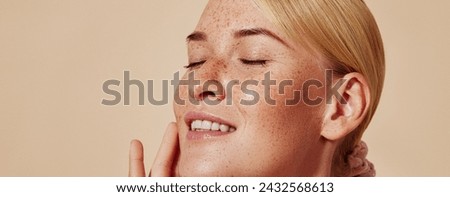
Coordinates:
(203, 125)
(206, 125)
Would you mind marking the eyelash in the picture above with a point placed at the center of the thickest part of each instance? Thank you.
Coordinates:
(244, 61)
(194, 64)
(254, 62)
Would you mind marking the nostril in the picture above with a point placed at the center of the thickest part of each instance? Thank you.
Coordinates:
(207, 94)
(211, 90)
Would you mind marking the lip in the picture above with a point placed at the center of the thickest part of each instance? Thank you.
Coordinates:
(200, 135)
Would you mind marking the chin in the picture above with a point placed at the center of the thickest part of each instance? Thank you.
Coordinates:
(220, 168)
(202, 169)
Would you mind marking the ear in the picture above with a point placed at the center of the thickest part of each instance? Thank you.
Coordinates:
(347, 107)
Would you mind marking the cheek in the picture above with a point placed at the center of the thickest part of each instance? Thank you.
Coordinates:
(277, 138)
(286, 124)
(289, 121)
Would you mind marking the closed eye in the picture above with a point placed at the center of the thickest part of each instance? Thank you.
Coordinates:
(254, 62)
(195, 64)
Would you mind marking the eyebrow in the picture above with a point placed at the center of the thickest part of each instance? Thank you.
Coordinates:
(197, 36)
(260, 31)
(201, 36)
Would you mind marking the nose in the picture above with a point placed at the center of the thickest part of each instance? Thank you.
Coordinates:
(211, 89)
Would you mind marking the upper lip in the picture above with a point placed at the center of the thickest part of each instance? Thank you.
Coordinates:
(195, 115)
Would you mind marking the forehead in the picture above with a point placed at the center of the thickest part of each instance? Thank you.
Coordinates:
(223, 18)
(232, 14)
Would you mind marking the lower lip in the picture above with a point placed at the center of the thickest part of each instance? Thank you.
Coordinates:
(202, 135)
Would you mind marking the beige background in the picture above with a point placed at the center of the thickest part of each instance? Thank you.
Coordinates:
(55, 56)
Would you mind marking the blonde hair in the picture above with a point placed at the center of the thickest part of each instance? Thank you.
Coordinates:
(346, 34)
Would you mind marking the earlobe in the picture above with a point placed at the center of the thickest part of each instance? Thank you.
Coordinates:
(342, 116)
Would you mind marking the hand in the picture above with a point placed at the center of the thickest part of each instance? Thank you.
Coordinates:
(166, 158)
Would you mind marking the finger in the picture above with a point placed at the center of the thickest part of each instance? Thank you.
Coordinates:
(168, 150)
(136, 160)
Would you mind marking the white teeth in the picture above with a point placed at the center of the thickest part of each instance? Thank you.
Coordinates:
(224, 128)
(197, 124)
(206, 125)
(215, 126)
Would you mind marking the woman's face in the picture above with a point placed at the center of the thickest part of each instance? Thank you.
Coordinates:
(236, 47)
